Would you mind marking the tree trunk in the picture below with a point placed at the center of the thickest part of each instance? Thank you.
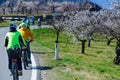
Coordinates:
(83, 46)
(56, 46)
(108, 42)
(117, 51)
(89, 41)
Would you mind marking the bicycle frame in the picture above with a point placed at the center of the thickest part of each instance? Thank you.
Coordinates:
(25, 58)
(14, 69)
(25, 55)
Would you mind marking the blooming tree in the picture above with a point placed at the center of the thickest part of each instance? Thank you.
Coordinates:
(57, 24)
(83, 24)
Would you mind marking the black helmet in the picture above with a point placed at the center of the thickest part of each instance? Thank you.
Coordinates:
(12, 26)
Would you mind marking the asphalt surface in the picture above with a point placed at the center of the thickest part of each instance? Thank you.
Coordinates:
(4, 71)
(34, 74)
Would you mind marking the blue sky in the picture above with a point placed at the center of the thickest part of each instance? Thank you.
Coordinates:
(103, 3)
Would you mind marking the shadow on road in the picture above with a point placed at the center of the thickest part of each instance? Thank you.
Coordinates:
(42, 68)
(38, 52)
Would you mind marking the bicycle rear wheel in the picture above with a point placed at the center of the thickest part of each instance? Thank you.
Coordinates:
(15, 71)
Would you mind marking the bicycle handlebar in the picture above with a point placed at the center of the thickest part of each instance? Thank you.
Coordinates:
(28, 41)
(24, 47)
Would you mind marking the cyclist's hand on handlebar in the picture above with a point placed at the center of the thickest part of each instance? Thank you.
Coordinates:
(24, 47)
(31, 40)
(28, 41)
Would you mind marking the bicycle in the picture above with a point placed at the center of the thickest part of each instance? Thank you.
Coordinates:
(14, 69)
(25, 55)
(116, 60)
(15, 54)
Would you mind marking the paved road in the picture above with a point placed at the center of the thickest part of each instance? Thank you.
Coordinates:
(42, 26)
(4, 72)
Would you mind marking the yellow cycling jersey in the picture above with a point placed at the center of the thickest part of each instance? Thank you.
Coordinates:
(27, 35)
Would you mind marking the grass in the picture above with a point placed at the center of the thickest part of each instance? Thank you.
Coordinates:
(6, 23)
(95, 64)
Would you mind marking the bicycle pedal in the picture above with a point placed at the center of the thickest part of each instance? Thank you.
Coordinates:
(29, 67)
(20, 74)
(11, 74)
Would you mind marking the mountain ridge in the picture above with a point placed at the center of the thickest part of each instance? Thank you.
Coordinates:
(39, 6)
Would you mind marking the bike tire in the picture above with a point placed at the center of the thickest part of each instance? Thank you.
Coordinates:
(25, 62)
(15, 71)
(25, 65)
(116, 60)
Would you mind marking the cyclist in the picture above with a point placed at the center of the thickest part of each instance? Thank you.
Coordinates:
(39, 22)
(24, 21)
(28, 21)
(33, 20)
(27, 35)
(14, 39)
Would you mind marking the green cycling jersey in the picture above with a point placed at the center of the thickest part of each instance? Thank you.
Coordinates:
(12, 39)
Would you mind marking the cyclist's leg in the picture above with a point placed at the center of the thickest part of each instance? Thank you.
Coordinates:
(19, 62)
(29, 53)
(9, 61)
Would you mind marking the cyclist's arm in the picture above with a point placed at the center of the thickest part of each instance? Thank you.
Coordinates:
(6, 41)
(28, 26)
(30, 35)
(21, 39)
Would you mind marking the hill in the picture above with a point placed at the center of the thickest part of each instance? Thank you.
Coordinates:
(35, 6)
(42, 6)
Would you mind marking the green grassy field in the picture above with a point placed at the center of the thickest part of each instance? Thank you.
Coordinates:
(95, 64)
(6, 23)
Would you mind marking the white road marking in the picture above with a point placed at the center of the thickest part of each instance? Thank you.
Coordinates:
(34, 71)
